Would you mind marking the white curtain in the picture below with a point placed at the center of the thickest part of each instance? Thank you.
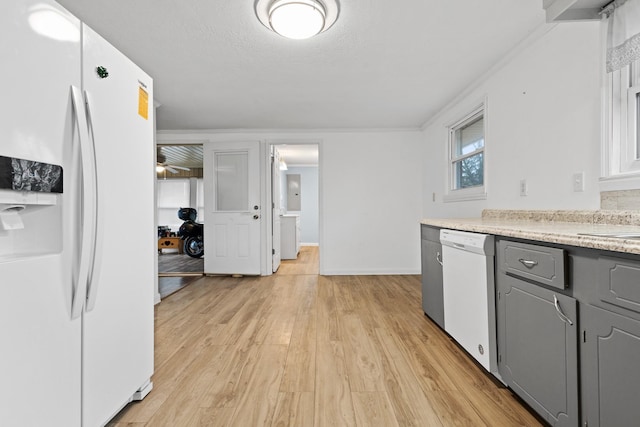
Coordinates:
(623, 38)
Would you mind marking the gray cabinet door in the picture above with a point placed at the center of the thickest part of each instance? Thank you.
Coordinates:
(537, 348)
(610, 368)
(432, 302)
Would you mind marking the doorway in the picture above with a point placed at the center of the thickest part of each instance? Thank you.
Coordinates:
(295, 198)
(179, 185)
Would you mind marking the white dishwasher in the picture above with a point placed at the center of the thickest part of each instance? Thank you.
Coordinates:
(469, 294)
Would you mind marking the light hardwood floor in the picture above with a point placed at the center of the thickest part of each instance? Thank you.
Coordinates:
(297, 349)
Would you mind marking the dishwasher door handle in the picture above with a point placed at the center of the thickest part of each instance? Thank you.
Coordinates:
(439, 258)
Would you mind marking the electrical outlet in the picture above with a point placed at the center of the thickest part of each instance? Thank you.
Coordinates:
(523, 187)
(578, 182)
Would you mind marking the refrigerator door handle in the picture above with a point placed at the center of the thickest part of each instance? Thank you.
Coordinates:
(88, 204)
(92, 282)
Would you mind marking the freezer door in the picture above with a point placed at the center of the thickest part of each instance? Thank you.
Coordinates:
(118, 318)
(39, 343)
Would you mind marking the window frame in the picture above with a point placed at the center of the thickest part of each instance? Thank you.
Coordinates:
(478, 192)
(620, 153)
(630, 158)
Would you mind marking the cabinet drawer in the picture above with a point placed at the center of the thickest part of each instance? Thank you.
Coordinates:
(619, 282)
(539, 263)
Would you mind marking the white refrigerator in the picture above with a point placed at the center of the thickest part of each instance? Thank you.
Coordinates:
(76, 258)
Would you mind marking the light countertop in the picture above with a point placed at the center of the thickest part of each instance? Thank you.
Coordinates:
(561, 227)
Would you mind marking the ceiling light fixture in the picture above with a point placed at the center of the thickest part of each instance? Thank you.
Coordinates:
(297, 19)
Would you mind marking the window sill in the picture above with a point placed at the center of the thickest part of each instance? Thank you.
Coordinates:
(630, 181)
(465, 195)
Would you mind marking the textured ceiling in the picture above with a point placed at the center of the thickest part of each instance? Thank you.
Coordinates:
(384, 64)
(188, 156)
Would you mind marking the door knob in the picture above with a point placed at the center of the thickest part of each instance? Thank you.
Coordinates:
(256, 216)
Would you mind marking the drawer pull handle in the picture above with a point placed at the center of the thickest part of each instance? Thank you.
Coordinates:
(562, 316)
(528, 263)
(439, 258)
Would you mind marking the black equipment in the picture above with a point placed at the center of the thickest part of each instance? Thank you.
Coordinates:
(191, 232)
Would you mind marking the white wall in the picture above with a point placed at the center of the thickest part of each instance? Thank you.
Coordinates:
(371, 192)
(543, 118)
(310, 209)
(371, 198)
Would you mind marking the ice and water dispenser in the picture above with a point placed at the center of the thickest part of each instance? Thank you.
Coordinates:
(30, 208)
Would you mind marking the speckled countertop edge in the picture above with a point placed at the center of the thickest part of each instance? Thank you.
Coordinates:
(561, 227)
(603, 217)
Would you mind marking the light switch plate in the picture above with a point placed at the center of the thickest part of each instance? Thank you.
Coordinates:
(578, 182)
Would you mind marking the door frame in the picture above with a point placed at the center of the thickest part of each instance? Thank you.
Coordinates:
(276, 257)
(267, 240)
(158, 142)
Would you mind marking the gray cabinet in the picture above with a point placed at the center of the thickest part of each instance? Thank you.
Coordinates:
(609, 290)
(432, 301)
(619, 284)
(537, 335)
(610, 357)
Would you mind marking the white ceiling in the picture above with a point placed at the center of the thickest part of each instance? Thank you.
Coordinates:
(384, 64)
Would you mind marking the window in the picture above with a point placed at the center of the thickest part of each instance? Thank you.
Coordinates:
(622, 109)
(173, 194)
(621, 99)
(467, 158)
(176, 193)
(632, 158)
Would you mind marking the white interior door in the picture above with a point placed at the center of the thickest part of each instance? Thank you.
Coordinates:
(232, 205)
(276, 210)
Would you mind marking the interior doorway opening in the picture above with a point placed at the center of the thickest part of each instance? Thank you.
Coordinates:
(179, 184)
(295, 201)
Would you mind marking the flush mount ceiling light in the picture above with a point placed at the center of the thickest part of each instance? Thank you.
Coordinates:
(297, 19)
